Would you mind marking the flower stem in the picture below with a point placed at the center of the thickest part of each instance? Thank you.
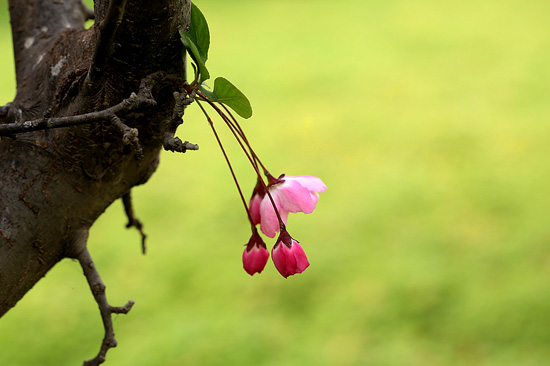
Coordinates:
(238, 137)
(230, 166)
(238, 127)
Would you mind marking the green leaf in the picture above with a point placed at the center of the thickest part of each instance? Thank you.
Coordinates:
(197, 41)
(232, 97)
(195, 55)
(199, 33)
(208, 94)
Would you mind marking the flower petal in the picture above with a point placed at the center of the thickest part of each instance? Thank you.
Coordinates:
(301, 259)
(254, 208)
(269, 224)
(283, 259)
(288, 261)
(312, 183)
(254, 260)
(295, 197)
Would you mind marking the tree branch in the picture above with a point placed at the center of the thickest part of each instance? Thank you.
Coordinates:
(104, 45)
(169, 127)
(134, 101)
(129, 135)
(133, 221)
(35, 22)
(98, 290)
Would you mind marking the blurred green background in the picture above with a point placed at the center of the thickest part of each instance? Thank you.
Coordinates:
(429, 123)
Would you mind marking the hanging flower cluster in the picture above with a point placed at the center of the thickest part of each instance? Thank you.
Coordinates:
(270, 204)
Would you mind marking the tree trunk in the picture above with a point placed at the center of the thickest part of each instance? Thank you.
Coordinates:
(55, 182)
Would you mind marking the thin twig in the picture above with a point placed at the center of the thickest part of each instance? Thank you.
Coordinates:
(98, 290)
(174, 144)
(129, 135)
(56, 122)
(169, 127)
(133, 221)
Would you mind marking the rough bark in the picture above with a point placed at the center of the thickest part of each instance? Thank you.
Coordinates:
(55, 182)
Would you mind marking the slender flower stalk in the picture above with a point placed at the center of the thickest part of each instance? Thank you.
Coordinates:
(238, 127)
(226, 120)
(229, 164)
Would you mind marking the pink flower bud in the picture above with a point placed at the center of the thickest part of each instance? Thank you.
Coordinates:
(288, 256)
(255, 201)
(255, 255)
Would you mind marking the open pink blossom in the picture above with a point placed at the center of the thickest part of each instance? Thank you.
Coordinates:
(288, 256)
(290, 194)
(255, 255)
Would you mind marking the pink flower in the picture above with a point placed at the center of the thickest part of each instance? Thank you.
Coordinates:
(288, 256)
(290, 194)
(255, 255)
(255, 201)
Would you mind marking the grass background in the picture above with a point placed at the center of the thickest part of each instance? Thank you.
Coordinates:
(429, 123)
